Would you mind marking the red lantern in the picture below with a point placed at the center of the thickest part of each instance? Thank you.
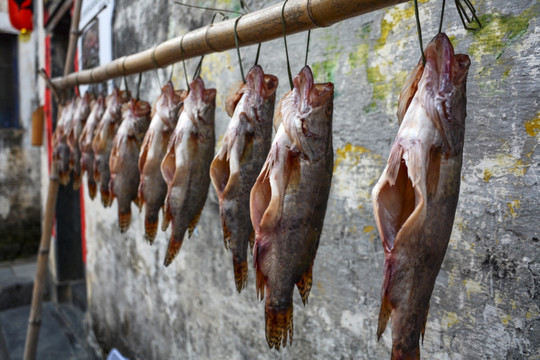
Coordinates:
(20, 14)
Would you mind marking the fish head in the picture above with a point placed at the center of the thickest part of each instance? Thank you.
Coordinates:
(117, 99)
(140, 111)
(169, 103)
(264, 85)
(307, 115)
(442, 88)
(200, 103)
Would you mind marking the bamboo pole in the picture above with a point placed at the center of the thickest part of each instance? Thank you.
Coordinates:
(34, 321)
(253, 28)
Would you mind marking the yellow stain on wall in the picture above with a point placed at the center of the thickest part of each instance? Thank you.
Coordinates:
(513, 206)
(505, 319)
(472, 287)
(487, 175)
(449, 319)
(533, 126)
(370, 230)
(320, 287)
(350, 154)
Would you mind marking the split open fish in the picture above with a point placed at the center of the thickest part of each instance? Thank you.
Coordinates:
(288, 202)
(103, 142)
(124, 159)
(186, 166)
(152, 187)
(79, 121)
(237, 165)
(416, 197)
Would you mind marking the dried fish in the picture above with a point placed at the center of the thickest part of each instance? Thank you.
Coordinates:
(416, 197)
(124, 159)
(152, 187)
(79, 121)
(186, 166)
(236, 166)
(85, 143)
(288, 202)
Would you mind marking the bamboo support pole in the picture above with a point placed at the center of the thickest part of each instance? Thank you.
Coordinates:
(253, 28)
(34, 321)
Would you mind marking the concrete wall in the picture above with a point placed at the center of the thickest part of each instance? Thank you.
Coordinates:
(485, 304)
(19, 162)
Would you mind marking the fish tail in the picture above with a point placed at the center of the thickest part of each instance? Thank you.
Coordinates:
(174, 247)
(106, 198)
(398, 354)
(193, 223)
(77, 181)
(251, 240)
(386, 305)
(279, 325)
(124, 219)
(304, 285)
(226, 234)
(260, 282)
(92, 189)
(150, 228)
(63, 177)
(240, 273)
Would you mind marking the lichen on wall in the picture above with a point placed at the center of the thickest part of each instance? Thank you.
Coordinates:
(485, 304)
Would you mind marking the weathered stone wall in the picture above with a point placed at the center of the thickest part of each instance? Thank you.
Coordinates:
(485, 304)
(20, 207)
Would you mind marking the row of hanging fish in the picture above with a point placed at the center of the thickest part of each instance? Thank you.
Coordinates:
(273, 193)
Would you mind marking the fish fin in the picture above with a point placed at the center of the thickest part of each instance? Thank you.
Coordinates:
(92, 189)
(386, 305)
(150, 229)
(394, 162)
(148, 139)
(168, 164)
(138, 203)
(124, 219)
(279, 325)
(106, 198)
(260, 282)
(304, 285)
(174, 247)
(233, 97)
(193, 223)
(240, 273)
(409, 89)
(219, 171)
(251, 240)
(167, 216)
(76, 181)
(226, 233)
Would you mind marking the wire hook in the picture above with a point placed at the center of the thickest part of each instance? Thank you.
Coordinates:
(124, 72)
(183, 60)
(419, 30)
(463, 15)
(238, 48)
(285, 41)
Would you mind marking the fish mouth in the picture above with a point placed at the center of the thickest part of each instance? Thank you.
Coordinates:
(442, 63)
(311, 94)
(200, 93)
(263, 84)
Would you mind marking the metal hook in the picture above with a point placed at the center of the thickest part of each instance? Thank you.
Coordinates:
(463, 15)
(307, 46)
(419, 30)
(184, 61)
(442, 16)
(156, 66)
(139, 85)
(285, 41)
(238, 48)
(124, 72)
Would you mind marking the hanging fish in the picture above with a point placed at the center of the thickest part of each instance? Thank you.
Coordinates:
(102, 143)
(79, 120)
(236, 166)
(124, 159)
(415, 199)
(288, 202)
(152, 187)
(61, 153)
(186, 165)
(85, 144)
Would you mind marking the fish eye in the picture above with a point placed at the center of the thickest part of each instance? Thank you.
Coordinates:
(328, 108)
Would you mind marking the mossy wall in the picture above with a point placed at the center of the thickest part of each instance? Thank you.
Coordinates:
(486, 302)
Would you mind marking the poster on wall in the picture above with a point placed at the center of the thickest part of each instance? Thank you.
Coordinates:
(95, 43)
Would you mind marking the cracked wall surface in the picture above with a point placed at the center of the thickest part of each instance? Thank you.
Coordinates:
(486, 301)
